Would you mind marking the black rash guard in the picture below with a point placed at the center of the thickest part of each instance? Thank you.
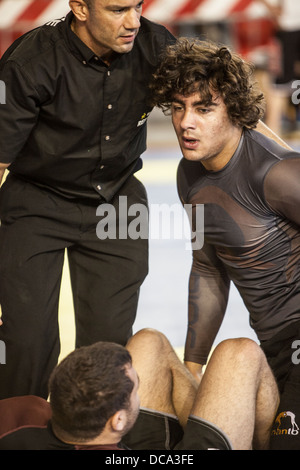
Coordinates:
(251, 237)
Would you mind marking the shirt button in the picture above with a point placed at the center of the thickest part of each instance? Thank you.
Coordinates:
(109, 106)
(107, 137)
(99, 187)
(84, 62)
(108, 73)
(101, 167)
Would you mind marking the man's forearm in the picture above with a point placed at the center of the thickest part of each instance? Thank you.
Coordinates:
(195, 369)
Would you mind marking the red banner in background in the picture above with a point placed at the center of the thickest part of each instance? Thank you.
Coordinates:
(19, 16)
(34, 10)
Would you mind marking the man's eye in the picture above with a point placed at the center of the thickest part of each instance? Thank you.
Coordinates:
(121, 10)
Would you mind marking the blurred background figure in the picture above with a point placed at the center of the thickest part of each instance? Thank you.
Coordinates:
(283, 114)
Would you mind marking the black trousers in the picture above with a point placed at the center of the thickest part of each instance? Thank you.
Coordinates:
(106, 274)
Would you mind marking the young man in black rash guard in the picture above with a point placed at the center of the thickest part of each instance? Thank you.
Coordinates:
(72, 132)
(249, 186)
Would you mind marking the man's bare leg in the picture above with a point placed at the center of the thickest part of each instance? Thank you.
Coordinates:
(165, 383)
(238, 394)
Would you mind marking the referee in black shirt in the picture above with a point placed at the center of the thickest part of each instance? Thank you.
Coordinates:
(71, 134)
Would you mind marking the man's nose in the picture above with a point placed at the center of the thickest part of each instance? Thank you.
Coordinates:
(188, 120)
(132, 20)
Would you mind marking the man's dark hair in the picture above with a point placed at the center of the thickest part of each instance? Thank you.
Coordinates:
(191, 66)
(87, 388)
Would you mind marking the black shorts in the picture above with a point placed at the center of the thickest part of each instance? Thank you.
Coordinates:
(285, 434)
(283, 356)
(158, 431)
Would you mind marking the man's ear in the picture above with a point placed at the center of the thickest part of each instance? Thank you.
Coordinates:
(80, 9)
(118, 421)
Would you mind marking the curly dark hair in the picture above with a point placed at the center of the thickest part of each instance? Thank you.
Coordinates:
(191, 66)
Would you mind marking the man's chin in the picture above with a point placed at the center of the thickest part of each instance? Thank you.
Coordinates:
(124, 49)
(124, 46)
(191, 156)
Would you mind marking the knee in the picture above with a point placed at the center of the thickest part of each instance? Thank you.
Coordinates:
(149, 340)
(148, 335)
(242, 350)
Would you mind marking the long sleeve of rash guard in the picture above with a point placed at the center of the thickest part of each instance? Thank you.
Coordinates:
(208, 287)
(282, 189)
(208, 296)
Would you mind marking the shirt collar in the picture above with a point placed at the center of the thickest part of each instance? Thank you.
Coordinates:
(77, 47)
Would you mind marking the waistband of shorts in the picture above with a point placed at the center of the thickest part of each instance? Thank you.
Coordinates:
(192, 419)
(158, 414)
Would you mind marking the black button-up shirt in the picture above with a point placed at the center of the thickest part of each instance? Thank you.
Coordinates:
(71, 123)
